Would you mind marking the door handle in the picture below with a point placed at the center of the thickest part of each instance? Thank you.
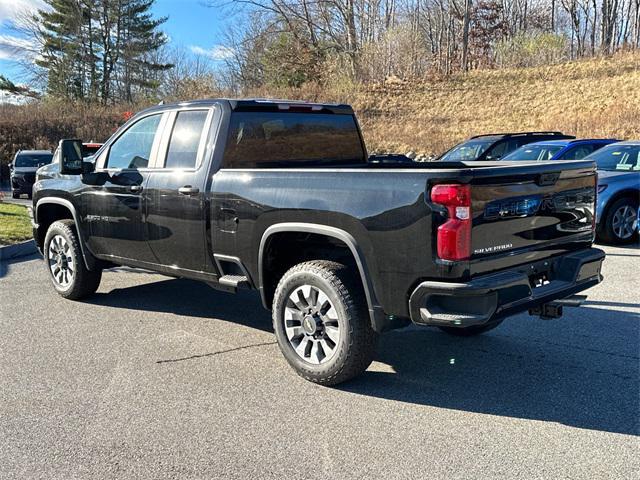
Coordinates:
(135, 188)
(188, 190)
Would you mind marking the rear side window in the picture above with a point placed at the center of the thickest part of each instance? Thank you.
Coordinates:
(500, 150)
(279, 139)
(578, 153)
(185, 139)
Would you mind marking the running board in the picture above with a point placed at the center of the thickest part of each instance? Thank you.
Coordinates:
(234, 281)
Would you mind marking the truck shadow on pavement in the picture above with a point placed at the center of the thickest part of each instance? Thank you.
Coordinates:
(5, 264)
(190, 298)
(582, 371)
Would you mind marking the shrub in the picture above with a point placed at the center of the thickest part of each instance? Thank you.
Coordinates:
(532, 50)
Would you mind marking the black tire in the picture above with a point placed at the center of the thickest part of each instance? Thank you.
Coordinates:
(610, 231)
(15, 195)
(81, 282)
(356, 341)
(470, 331)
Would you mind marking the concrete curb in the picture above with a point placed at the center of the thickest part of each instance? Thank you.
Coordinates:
(18, 250)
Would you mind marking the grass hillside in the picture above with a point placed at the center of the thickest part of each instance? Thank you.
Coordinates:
(588, 98)
(591, 98)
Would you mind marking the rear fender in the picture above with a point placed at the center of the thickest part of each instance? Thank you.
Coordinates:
(377, 316)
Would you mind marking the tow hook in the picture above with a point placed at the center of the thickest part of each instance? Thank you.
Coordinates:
(551, 310)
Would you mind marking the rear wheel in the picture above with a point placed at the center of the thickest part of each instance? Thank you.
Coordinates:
(621, 222)
(65, 264)
(322, 323)
(15, 195)
(470, 331)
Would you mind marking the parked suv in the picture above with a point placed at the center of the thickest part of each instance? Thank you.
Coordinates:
(494, 146)
(23, 170)
(618, 191)
(280, 197)
(558, 150)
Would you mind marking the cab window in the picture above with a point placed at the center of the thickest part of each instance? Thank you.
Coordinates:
(132, 150)
(185, 139)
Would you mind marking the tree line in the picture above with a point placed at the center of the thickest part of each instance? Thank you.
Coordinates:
(295, 41)
(111, 51)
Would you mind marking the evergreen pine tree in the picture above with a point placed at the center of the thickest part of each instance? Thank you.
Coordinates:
(101, 48)
(62, 54)
(142, 39)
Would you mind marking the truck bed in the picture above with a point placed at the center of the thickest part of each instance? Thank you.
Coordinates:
(388, 212)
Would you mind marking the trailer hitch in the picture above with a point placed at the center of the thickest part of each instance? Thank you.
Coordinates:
(551, 310)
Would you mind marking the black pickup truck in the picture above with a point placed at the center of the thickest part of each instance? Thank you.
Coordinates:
(280, 197)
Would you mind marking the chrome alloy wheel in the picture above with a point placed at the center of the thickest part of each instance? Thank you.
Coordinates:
(311, 324)
(61, 261)
(625, 222)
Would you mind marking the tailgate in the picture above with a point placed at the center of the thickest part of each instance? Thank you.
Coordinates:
(537, 213)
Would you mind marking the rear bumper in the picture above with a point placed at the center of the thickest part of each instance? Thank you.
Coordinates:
(497, 295)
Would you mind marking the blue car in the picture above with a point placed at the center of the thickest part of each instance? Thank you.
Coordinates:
(618, 191)
(558, 149)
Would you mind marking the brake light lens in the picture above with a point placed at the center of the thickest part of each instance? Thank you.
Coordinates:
(454, 236)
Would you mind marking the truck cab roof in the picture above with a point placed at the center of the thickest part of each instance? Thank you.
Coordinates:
(259, 104)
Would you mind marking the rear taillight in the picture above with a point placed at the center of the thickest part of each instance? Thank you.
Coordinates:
(454, 236)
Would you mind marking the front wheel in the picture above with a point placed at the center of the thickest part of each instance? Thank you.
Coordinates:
(65, 264)
(322, 323)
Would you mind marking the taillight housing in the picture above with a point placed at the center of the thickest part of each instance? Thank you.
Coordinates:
(454, 236)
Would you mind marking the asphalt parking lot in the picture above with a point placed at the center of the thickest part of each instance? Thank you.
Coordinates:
(162, 378)
(23, 200)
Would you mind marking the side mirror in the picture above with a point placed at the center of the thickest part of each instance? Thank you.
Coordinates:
(10, 166)
(70, 152)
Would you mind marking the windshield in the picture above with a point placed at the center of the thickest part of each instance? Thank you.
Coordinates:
(30, 160)
(617, 157)
(534, 153)
(470, 150)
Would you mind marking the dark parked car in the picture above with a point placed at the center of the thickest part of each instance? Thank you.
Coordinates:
(558, 149)
(90, 148)
(618, 191)
(494, 146)
(280, 197)
(23, 170)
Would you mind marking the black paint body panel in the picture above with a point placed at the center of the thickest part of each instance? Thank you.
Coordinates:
(384, 208)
